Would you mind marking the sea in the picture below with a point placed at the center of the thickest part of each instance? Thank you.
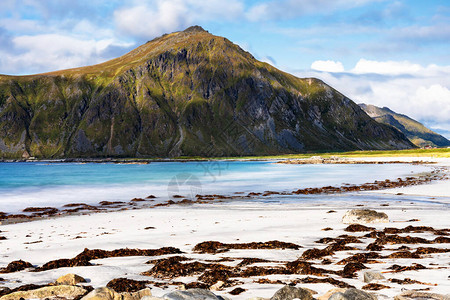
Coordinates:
(37, 184)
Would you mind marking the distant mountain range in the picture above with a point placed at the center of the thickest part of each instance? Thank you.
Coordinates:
(187, 93)
(414, 131)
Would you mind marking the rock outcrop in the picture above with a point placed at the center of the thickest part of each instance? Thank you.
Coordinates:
(185, 93)
(49, 292)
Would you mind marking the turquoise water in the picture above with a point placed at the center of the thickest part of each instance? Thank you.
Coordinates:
(55, 184)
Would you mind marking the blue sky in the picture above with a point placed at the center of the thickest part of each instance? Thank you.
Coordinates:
(387, 53)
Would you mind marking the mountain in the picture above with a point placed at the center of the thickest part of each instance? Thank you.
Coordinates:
(183, 94)
(413, 130)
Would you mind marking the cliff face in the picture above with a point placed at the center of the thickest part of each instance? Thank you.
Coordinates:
(417, 133)
(186, 93)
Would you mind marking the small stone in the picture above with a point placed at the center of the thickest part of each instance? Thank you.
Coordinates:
(100, 294)
(289, 292)
(237, 291)
(217, 286)
(415, 295)
(372, 275)
(327, 295)
(352, 294)
(191, 294)
(105, 293)
(69, 279)
(367, 216)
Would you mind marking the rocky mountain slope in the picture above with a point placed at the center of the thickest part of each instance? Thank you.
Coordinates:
(183, 94)
(417, 133)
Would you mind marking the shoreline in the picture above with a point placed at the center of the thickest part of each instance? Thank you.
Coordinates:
(32, 213)
(240, 225)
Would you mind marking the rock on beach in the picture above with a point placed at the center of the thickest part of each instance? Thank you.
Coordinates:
(364, 216)
(289, 292)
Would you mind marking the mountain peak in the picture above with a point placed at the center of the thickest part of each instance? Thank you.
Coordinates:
(187, 93)
(195, 28)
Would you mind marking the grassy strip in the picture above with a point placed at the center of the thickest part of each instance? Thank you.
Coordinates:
(434, 153)
(438, 152)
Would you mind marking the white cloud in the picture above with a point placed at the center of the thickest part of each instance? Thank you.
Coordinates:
(420, 99)
(165, 16)
(364, 66)
(421, 92)
(151, 21)
(86, 28)
(430, 99)
(148, 19)
(49, 52)
(75, 36)
(60, 34)
(54, 43)
(29, 26)
(327, 66)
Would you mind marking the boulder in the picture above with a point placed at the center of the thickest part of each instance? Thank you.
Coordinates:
(105, 293)
(191, 294)
(372, 275)
(412, 295)
(366, 216)
(352, 294)
(289, 292)
(69, 279)
(58, 291)
(327, 295)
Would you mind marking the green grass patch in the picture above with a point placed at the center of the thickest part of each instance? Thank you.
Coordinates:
(438, 152)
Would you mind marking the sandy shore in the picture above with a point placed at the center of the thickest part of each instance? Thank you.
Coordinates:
(235, 222)
(435, 189)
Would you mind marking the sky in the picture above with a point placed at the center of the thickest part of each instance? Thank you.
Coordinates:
(382, 52)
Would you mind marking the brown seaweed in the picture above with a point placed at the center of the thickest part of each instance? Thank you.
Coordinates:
(218, 247)
(121, 285)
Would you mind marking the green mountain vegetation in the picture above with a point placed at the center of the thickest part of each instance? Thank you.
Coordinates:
(187, 93)
(413, 130)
